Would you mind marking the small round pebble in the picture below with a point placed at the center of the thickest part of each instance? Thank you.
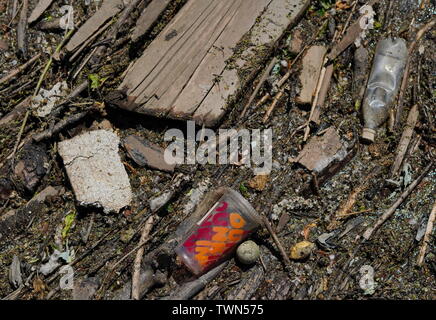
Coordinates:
(301, 250)
(248, 252)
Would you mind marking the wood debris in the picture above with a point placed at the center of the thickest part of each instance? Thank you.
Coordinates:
(145, 153)
(312, 64)
(405, 140)
(108, 9)
(39, 10)
(175, 82)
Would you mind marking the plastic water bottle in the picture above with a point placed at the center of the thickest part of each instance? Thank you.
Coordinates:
(383, 84)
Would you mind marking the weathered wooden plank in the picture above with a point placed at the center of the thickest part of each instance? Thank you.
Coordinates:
(180, 70)
(191, 45)
(278, 17)
(148, 17)
(214, 62)
(161, 46)
(184, 74)
(39, 10)
(108, 9)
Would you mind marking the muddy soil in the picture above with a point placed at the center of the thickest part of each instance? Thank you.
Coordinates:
(97, 243)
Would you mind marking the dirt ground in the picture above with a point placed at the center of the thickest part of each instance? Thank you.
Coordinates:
(97, 242)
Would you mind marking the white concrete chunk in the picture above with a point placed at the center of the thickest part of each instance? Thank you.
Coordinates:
(95, 170)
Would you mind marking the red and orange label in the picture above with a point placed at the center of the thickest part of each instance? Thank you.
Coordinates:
(216, 235)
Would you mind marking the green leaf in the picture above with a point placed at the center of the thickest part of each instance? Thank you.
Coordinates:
(68, 222)
(95, 80)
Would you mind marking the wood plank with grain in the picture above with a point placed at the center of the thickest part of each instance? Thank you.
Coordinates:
(108, 10)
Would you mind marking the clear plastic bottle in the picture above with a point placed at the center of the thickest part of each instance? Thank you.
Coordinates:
(383, 84)
(229, 221)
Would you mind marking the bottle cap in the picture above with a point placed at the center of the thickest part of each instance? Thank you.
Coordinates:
(368, 134)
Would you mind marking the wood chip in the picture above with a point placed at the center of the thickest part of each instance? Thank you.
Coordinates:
(312, 64)
(39, 10)
(109, 9)
(145, 153)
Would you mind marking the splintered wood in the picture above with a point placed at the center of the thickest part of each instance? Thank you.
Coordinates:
(184, 73)
(108, 9)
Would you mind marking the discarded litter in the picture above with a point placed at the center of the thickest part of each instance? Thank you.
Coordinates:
(383, 84)
(229, 221)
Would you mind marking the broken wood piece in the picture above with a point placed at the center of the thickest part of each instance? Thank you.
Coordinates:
(148, 17)
(185, 75)
(389, 212)
(138, 259)
(259, 85)
(273, 105)
(17, 112)
(352, 33)
(188, 290)
(145, 153)
(279, 245)
(405, 139)
(312, 64)
(95, 170)
(426, 241)
(360, 73)
(108, 10)
(22, 29)
(21, 68)
(322, 94)
(39, 10)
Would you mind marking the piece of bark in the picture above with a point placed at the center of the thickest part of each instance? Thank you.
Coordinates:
(352, 33)
(405, 140)
(312, 65)
(145, 153)
(360, 72)
(188, 290)
(22, 29)
(148, 17)
(108, 9)
(39, 10)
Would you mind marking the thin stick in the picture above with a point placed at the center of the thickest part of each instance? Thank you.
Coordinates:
(16, 71)
(50, 61)
(368, 232)
(21, 28)
(273, 105)
(259, 85)
(277, 242)
(137, 266)
(427, 235)
(404, 82)
(405, 139)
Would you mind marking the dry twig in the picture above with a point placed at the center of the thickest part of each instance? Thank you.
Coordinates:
(427, 235)
(137, 266)
(368, 232)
